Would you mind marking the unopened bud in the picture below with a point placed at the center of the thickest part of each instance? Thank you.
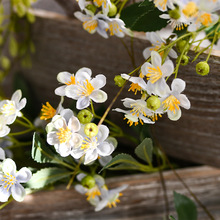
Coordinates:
(202, 68)
(153, 103)
(88, 182)
(91, 129)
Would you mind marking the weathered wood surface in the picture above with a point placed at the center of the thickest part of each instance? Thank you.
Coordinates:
(143, 199)
(63, 45)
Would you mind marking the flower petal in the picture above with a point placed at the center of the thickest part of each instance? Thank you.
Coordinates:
(82, 102)
(184, 101)
(83, 74)
(103, 133)
(99, 81)
(167, 68)
(64, 77)
(99, 96)
(2, 154)
(90, 156)
(174, 116)
(18, 192)
(105, 149)
(74, 124)
(23, 175)
(4, 194)
(16, 96)
(178, 85)
(9, 166)
(156, 59)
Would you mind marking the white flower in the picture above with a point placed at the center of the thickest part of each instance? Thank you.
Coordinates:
(93, 23)
(174, 99)
(105, 5)
(156, 73)
(10, 181)
(4, 129)
(138, 113)
(87, 88)
(163, 5)
(10, 109)
(109, 197)
(97, 145)
(157, 43)
(93, 192)
(2, 154)
(62, 133)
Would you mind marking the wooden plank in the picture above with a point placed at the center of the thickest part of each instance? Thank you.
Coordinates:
(143, 199)
(63, 45)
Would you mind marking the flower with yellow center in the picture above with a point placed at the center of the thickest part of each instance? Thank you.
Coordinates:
(93, 23)
(156, 73)
(174, 99)
(86, 89)
(62, 133)
(10, 109)
(105, 4)
(10, 181)
(163, 5)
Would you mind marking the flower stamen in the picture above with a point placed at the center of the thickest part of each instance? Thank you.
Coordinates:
(64, 135)
(47, 111)
(171, 103)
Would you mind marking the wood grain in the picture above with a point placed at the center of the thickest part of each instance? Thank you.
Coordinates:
(143, 199)
(63, 45)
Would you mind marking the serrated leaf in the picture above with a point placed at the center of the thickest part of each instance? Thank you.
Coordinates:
(42, 153)
(123, 160)
(143, 16)
(145, 150)
(185, 207)
(47, 176)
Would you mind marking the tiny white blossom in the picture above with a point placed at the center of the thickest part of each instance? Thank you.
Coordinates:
(4, 129)
(86, 89)
(2, 154)
(105, 4)
(10, 109)
(163, 5)
(10, 181)
(174, 99)
(62, 133)
(93, 23)
(156, 73)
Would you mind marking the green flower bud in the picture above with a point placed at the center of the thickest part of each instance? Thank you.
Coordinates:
(184, 61)
(181, 44)
(88, 182)
(91, 8)
(119, 81)
(91, 129)
(153, 103)
(30, 17)
(202, 68)
(85, 116)
(175, 13)
(112, 10)
(5, 63)
(21, 10)
(27, 3)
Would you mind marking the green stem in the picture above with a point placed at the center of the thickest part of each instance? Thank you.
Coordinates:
(20, 144)
(6, 203)
(21, 132)
(122, 6)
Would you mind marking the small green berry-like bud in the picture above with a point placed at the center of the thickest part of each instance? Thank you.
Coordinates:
(175, 13)
(184, 61)
(5, 63)
(181, 44)
(91, 8)
(119, 81)
(112, 10)
(88, 182)
(153, 103)
(91, 129)
(85, 116)
(202, 68)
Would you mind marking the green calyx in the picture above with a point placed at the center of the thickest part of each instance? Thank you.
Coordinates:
(175, 13)
(85, 116)
(153, 103)
(119, 81)
(184, 60)
(181, 45)
(91, 129)
(202, 68)
(91, 8)
(88, 182)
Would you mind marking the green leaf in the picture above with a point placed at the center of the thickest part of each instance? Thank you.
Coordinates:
(124, 161)
(145, 150)
(143, 16)
(42, 153)
(47, 176)
(171, 218)
(185, 207)
(211, 32)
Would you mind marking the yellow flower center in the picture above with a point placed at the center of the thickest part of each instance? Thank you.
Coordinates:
(89, 143)
(205, 19)
(99, 2)
(114, 28)
(138, 109)
(92, 193)
(8, 109)
(86, 89)
(134, 87)
(47, 111)
(90, 25)
(190, 9)
(8, 180)
(72, 81)
(154, 74)
(154, 117)
(130, 122)
(114, 201)
(171, 103)
(64, 135)
(161, 3)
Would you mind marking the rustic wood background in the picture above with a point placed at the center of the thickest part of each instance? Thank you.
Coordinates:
(63, 45)
(143, 199)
